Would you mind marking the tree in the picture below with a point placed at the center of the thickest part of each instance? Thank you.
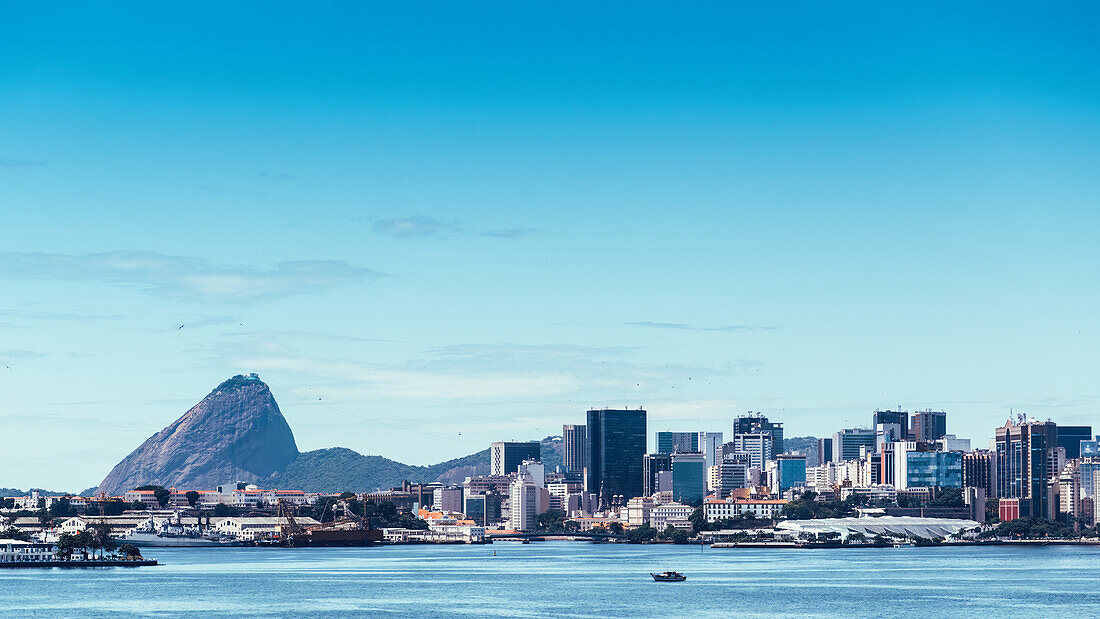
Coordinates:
(162, 494)
(130, 552)
(15, 533)
(551, 520)
(192, 498)
(61, 508)
(641, 535)
(616, 527)
(66, 544)
(680, 536)
(222, 510)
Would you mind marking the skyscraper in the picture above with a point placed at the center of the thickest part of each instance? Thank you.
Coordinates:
(709, 442)
(846, 443)
(574, 447)
(824, 451)
(889, 427)
(790, 472)
(1070, 438)
(758, 446)
(1024, 467)
(616, 446)
(653, 464)
(759, 424)
(524, 503)
(505, 457)
(689, 477)
(669, 442)
(928, 425)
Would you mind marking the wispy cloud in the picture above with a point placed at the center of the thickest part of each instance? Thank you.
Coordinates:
(279, 176)
(188, 278)
(425, 226)
(8, 162)
(509, 233)
(682, 326)
(416, 226)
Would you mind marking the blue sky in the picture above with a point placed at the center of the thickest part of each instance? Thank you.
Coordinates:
(456, 225)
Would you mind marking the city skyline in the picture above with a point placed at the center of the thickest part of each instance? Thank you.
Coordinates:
(433, 232)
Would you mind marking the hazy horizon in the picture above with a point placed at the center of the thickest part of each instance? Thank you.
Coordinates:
(455, 227)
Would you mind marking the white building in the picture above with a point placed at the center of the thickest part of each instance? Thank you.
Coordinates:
(18, 551)
(535, 470)
(638, 510)
(254, 528)
(714, 509)
(524, 495)
(660, 516)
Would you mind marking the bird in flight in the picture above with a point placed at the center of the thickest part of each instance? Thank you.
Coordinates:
(180, 327)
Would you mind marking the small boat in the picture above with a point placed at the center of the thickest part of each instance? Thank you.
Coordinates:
(668, 577)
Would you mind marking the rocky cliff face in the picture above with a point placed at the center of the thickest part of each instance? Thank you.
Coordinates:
(235, 433)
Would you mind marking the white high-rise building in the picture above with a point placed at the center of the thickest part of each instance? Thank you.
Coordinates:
(535, 470)
(709, 444)
(524, 497)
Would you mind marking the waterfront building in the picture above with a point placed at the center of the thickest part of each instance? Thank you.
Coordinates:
(980, 470)
(824, 451)
(926, 469)
(483, 509)
(505, 457)
(574, 448)
(616, 446)
(1070, 437)
(790, 472)
(1026, 454)
(890, 526)
(709, 444)
(719, 509)
(524, 504)
(689, 477)
(253, 528)
(652, 466)
(19, 551)
(756, 423)
(847, 443)
(670, 442)
(675, 514)
(876, 493)
(757, 445)
(447, 499)
(928, 426)
(638, 510)
(890, 427)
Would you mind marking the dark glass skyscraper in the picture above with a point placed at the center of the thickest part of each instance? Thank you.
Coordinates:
(928, 426)
(575, 448)
(1024, 464)
(616, 448)
(1070, 438)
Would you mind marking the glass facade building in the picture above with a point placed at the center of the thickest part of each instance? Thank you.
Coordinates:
(689, 477)
(928, 469)
(616, 450)
(669, 442)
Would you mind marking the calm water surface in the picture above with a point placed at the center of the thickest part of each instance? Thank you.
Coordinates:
(571, 579)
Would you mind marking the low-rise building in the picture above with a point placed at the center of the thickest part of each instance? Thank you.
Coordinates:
(252, 528)
(18, 551)
(718, 509)
(661, 516)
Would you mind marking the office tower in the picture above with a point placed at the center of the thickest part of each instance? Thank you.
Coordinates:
(759, 424)
(790, 472)
(616, 446)
(574, 447)
(846, 443)
(980, 471)
(484, 509)
(505, 457)
(949, 442)
(890, 427)
(447, 499)
(926, 469)
(652, 464)
(709, 443)
(1090, 448)
(733, 468)
(1025, 454)
(824, 451)
(928, 425)
(524, 504)
(689, 477)
(1070, 437)
(669, 442)
(535, 470)
(758, 446)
